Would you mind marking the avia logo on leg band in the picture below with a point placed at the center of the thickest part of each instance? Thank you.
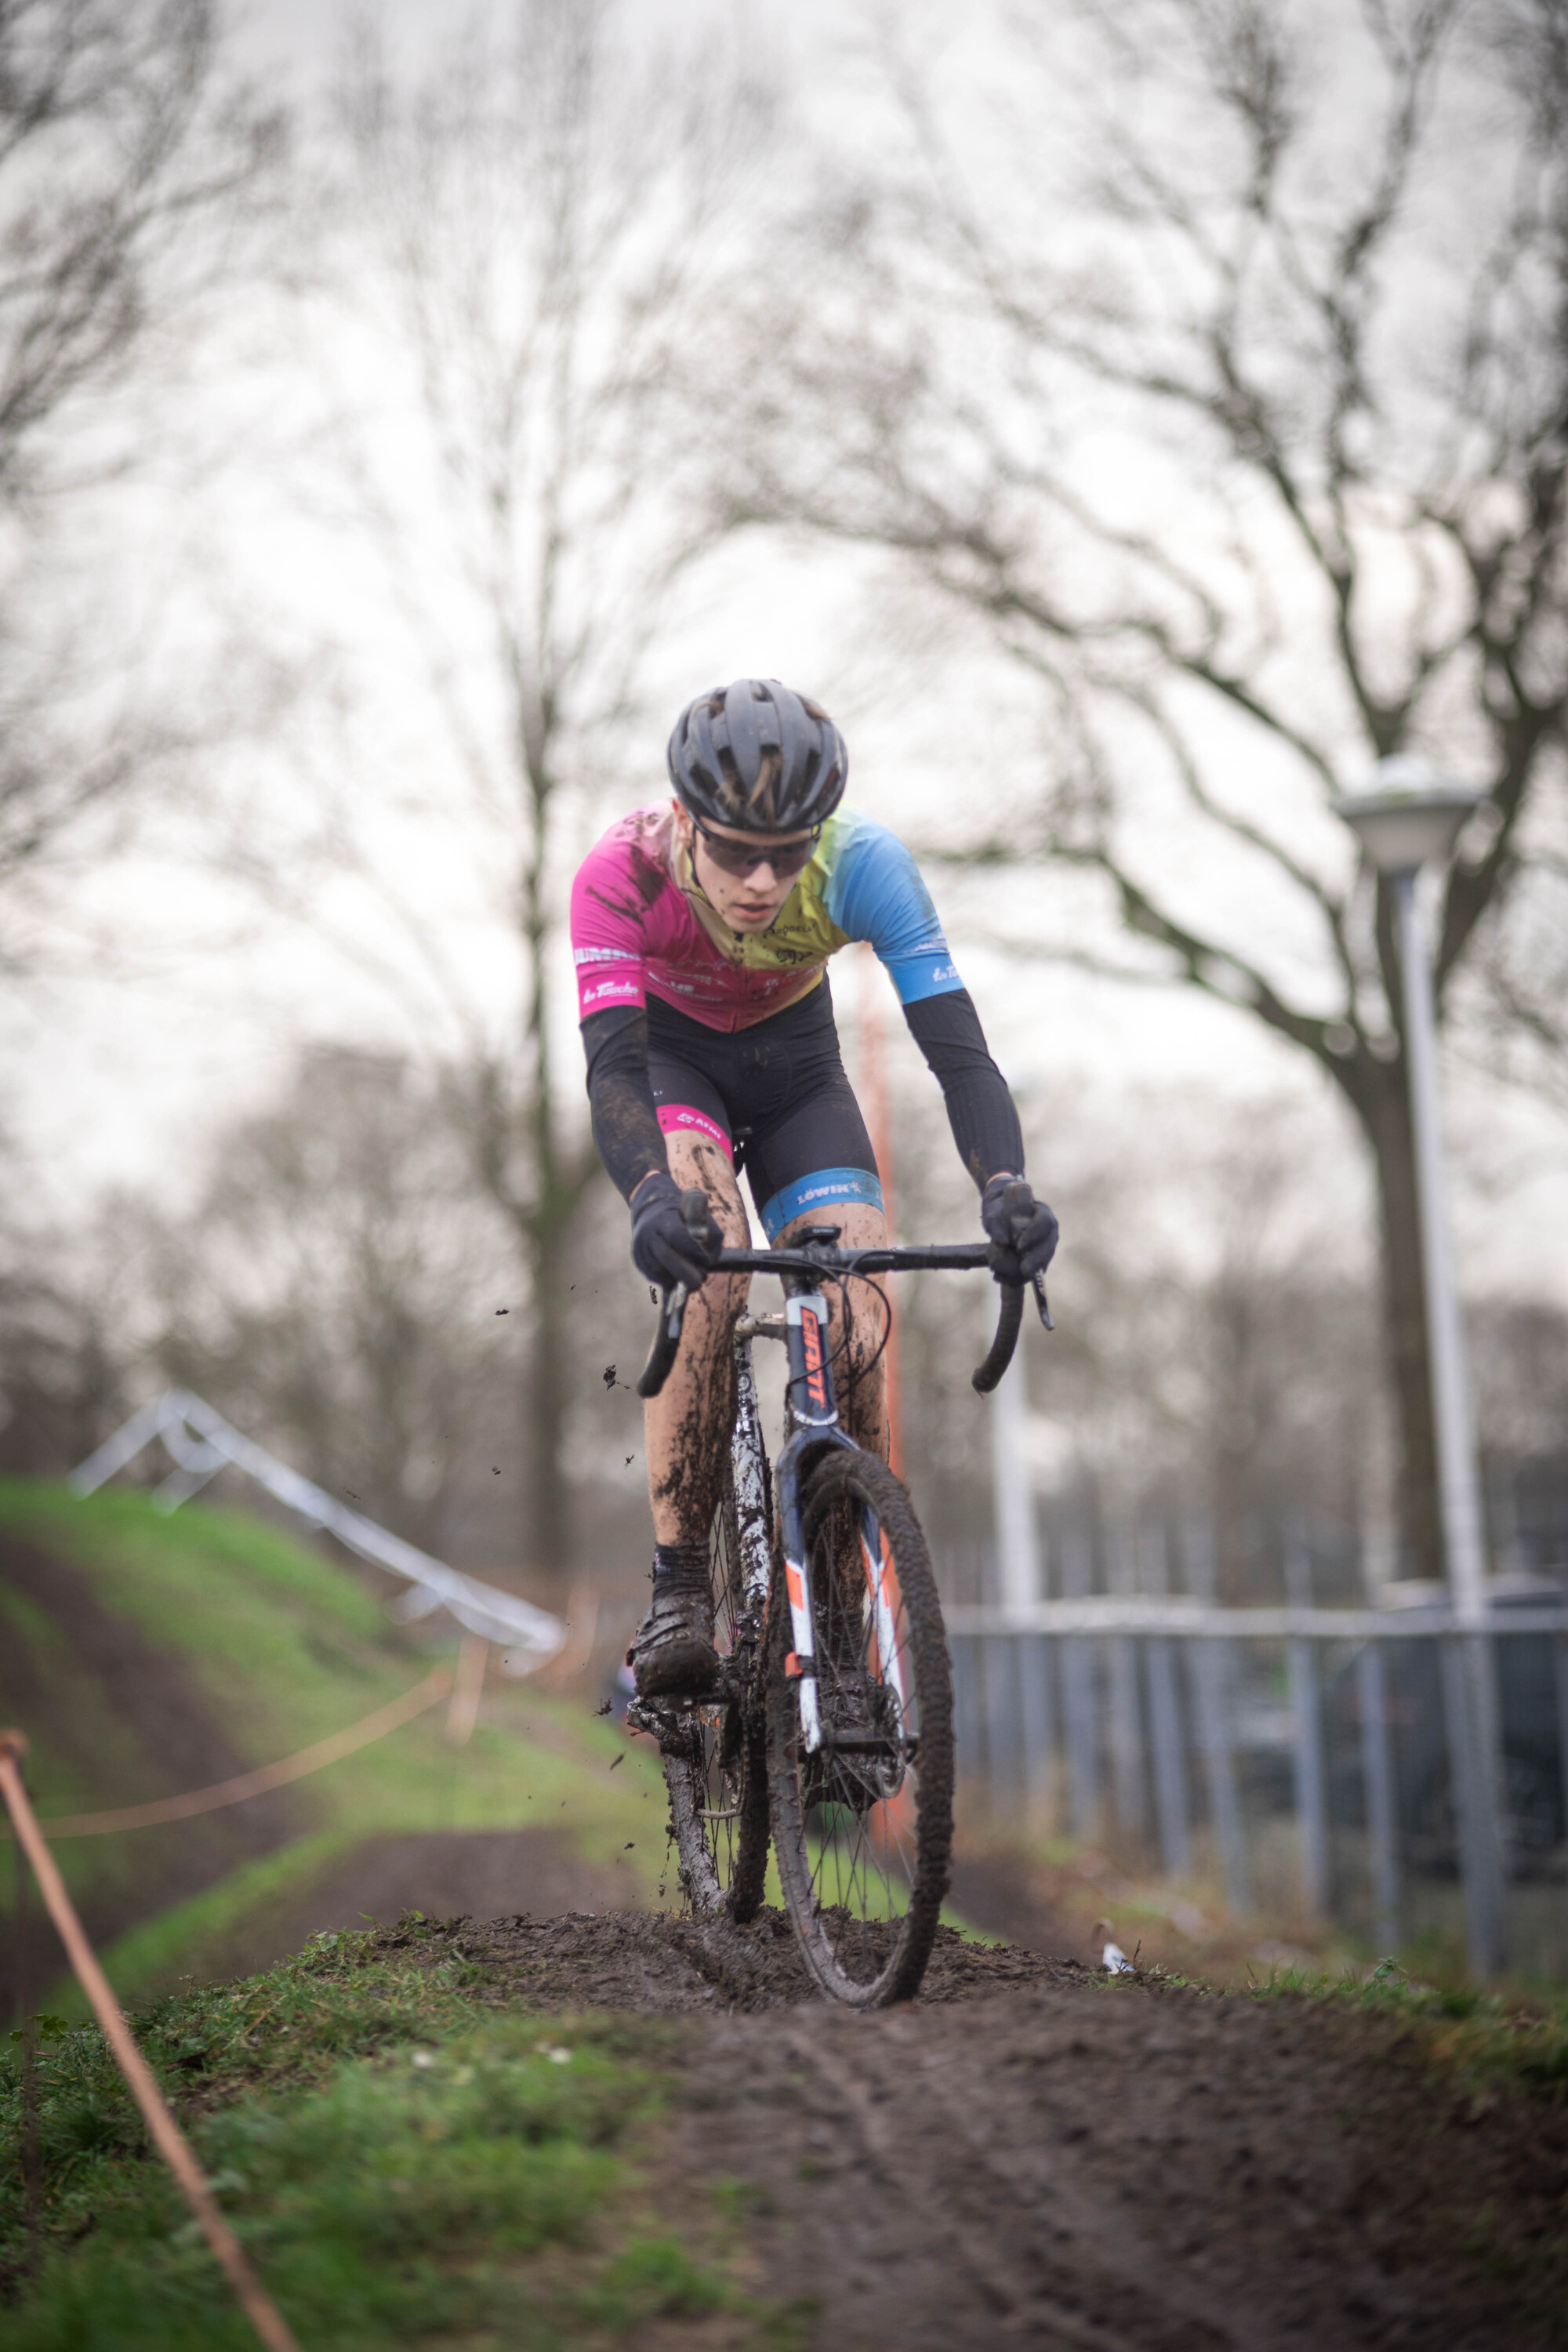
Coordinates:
(684, 1118)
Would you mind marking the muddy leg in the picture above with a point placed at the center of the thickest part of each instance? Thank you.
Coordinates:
(861, 1391)
(687, 1425)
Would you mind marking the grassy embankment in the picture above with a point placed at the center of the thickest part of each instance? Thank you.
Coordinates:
(280, 1648)
(403, 2163)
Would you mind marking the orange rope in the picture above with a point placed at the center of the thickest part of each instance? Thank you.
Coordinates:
(170, 2140)
(387, 1718)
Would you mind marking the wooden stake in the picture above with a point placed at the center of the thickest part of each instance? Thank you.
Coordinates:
(463, 1711)
(167, 2137)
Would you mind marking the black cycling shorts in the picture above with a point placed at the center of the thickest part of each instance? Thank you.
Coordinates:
(775, 1096)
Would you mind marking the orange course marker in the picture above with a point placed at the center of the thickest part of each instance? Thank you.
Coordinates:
(397, 1712)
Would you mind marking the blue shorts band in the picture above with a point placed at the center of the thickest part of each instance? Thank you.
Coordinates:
(827, 1188)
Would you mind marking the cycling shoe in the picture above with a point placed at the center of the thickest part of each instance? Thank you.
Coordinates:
(672, 1653)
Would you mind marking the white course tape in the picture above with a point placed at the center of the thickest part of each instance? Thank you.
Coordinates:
(202, 1443)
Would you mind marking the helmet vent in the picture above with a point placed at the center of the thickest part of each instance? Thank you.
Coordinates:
(759, 757)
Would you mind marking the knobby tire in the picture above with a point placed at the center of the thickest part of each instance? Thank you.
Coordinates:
(715, 1763)
(863, 1883)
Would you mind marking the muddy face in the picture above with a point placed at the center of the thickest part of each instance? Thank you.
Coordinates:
(750, 901)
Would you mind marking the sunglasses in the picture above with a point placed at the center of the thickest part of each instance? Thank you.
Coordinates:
(735, 857)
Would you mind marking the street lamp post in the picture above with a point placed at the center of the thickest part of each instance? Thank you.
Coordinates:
(1413, 816)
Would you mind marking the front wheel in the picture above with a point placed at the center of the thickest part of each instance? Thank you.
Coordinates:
(863, 1824)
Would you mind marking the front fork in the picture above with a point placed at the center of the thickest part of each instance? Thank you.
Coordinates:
(812, 1414)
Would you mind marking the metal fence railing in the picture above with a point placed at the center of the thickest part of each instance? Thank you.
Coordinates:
(1387, 1768)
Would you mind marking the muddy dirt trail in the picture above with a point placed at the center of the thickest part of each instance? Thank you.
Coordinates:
(1030, 2154)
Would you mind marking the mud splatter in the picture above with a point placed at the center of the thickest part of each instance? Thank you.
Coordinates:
(650, 875)
(615, 904)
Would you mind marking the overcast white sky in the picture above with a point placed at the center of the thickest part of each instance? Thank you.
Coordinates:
(120, 1080)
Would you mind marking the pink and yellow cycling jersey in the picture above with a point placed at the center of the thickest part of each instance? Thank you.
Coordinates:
(641, 926)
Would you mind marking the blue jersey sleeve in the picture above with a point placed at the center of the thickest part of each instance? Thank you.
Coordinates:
(875, 892)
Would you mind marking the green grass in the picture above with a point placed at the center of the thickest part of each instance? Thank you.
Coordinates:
(403, 2162)
(283, 1646)
(274, 1631)
(1475, 2042)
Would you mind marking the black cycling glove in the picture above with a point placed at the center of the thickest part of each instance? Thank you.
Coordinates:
(1028, 1238)
(664, 1247)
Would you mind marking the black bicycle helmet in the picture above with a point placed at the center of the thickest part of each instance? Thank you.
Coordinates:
(758, 757)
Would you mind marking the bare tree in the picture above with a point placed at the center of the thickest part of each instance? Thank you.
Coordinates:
(128, 160)
(333, 1288)
(1216, 1346)
(522, 237)
(1244, 441)
(62, 1389)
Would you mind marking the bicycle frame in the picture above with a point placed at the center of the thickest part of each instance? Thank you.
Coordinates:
(812, 1422)
(826, 1731)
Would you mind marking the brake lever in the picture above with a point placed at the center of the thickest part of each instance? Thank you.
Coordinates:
(666, 1341)
(1017, 1223)
(672, 1309)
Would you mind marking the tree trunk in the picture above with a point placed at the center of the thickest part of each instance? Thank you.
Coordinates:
(1382, 1100)
(547, 1530)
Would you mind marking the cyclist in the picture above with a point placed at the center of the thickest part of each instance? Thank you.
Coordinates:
(701, 928)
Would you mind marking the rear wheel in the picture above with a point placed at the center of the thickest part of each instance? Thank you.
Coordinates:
(714, 1754)
(863, 1826)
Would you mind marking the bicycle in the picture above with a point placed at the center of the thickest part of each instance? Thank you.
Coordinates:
(830, 1724)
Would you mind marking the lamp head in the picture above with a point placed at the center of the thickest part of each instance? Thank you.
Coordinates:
(1412, 814)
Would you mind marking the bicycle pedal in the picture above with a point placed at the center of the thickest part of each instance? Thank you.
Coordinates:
(673, 1715)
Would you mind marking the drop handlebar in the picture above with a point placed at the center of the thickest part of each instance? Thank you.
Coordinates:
(824, 1258)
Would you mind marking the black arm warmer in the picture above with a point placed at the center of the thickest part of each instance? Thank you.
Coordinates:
(980, 1110)
(626, 1124)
